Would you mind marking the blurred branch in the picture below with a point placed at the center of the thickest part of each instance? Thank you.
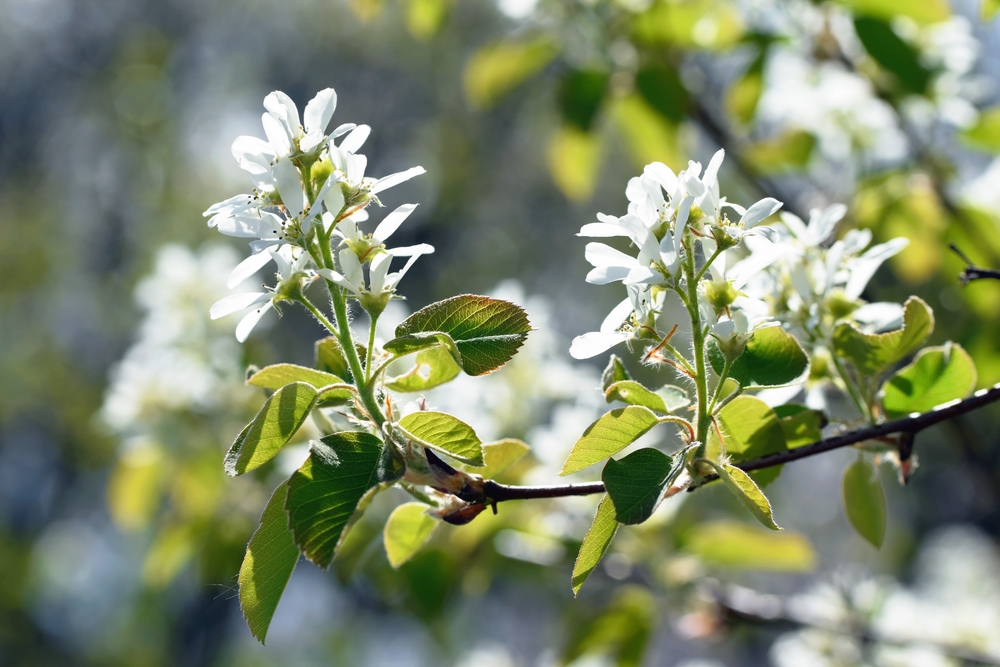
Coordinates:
(971, 271)
(494, 492)
(750, 606)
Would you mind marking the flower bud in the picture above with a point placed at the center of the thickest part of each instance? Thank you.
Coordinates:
(838, 305)
(720, 294)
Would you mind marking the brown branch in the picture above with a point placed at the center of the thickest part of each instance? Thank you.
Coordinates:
(494, 492)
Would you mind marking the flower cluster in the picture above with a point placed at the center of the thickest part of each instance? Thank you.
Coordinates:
(307, 190)
(673, 219)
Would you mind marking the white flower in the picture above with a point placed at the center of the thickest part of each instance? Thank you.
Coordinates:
(380, 281)
(621, 324)
(734, 331)
(281, 122)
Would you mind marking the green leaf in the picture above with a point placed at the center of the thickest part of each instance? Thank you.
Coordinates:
(925, 11)
(278, 420)
(277, 376)
(434, 366)
(988, 9)
(423, 340)
(788, 151)
(487, 331)
(444, 433)
(801, 425)
(615, 372)
(891, 52)
(619, 633)
(747, 492)
(936, 376)
(595, 543)
(663, 90)
(636, 482)
(497, 68)
(326, 490)
(736, 545)
(872, 354)
(772, 358)
(574, 159)
(609, 435)
(407, 529)
(500, 455)
(666, 400)
(864, 501)
(271, 556)
(330, 358)
(751, 429)
(581, 93)
(985, 134)
(424, 17)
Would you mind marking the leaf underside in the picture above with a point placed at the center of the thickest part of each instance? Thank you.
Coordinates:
(595, 543)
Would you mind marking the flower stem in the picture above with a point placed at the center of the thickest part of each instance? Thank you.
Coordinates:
(371, 346)
(698, 337)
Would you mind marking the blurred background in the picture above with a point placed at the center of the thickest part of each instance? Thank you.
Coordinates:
(120, 536)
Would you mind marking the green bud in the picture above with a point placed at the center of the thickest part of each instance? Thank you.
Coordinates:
(321, 171)
(819, 364)
(375, 304)
(838, 305)
(723, 238)
(720, 295)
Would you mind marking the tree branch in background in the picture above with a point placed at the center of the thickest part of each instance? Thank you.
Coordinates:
(743, 604)
(971, 271)
(494, 492)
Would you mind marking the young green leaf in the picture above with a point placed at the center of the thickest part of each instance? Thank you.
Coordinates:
(326, 490)
(936, 376)
(609, 435)
(736, 545)
(271, 556)
(801, 425)
(750, 429)
(488, 332)
(277, 376)
(636, 482)
(595, 543)
(434, 366)
(330, 358)
(872, 354)
(615, 372)
(423, 340)
(500, 455)
(444, 433)
(407, 529)
(666, 400)
(772, 358)
(747, 492)
(864, 501)
(497, 68)
(278, 420)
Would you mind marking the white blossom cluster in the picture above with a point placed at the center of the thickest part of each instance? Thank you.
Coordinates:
(308, 188)
(670, 216)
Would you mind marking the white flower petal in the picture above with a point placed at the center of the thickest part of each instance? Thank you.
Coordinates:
(351, 267)
(250, 320)
(393, 180)
(377, 272)
(662, 174)
(601, 230)
(353, 141)
(284, 110)
(277, 135)
(600, 254)
(334, 198)
(289, 185)
(251, 226)
(602, 275)
(337, 278)
(342, 130)
(236, 302)
(392, 222)
(759, 211)
(617, 316)
(247, 268)
(412, 250)
(594, 343)
(319, 111)
(643, 275)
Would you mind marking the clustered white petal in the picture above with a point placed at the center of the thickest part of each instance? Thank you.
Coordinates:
(306, 186)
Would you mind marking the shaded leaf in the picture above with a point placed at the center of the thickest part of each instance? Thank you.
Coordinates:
(423, 340)
(620, 632)
(326, 490)
(736, 545)
(406, 530)
(801, 425)
(661, 87)
(433, 367)
(747, 492)
(891, 52)
(636, 482)
(614, 372)
(330, 358)
(610, 434)
(666, 400)
(772, 358)
(925, 11)
(872, 354)
(864, 501)
(277, 422)
(581, 93)
(268, 564)
(936, 376)
(595, 543)
(487, 331)
(497, 68)
(445, 433)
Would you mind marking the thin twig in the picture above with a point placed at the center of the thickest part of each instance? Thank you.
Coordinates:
(971, 271)
(496, 492)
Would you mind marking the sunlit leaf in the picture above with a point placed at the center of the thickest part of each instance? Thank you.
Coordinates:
(635, 483)
(801, 425)
(747, 492)
(744, 94)
(751, 429)
(988, 9)
(424, 17)
(500, 455)
(171, 550)
(574, 159)
(666, 400)
(497, 68)
(609, 435)
(925, 11)
(445, 433)
(277, 376)
(772, 358)
(423, 340)
(406, 530)
(268, 564)
(936, 376)
(872, 354)
(649, 136)
(595, 543)
(487, 331)
(432, 367)
(864, 501)
(736, 545)
(136, 485)
(699, 24)
(788, 151)
(985, 134)
(325, 491)
(276, 423)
